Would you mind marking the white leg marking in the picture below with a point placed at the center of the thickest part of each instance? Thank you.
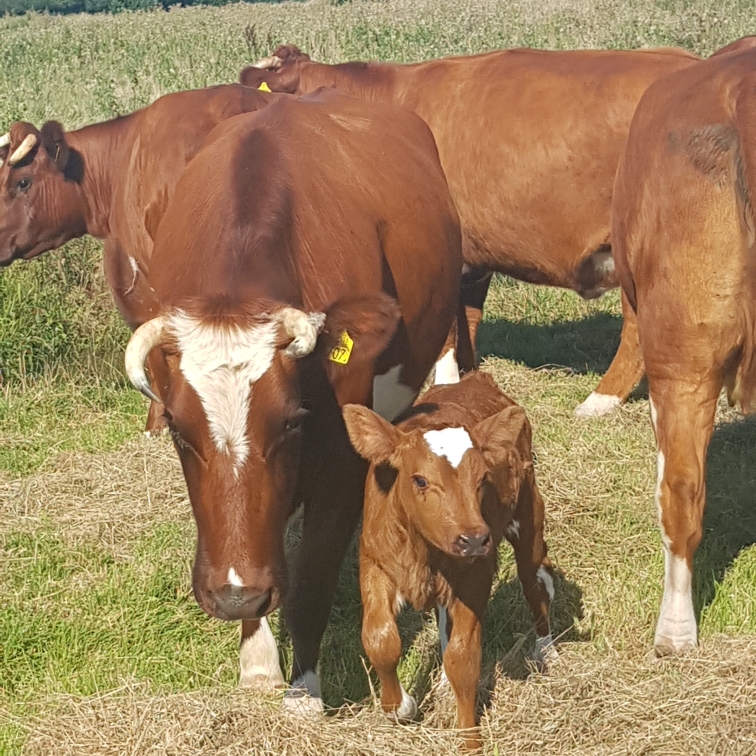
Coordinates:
(546, 580)
(304, 697)
(676, 629)
(545, 650)
(451, 443)
(597, 404)
(513, 529)
(407, 710)
(447, 370)
(390, 396)
(258, 660)
(233, 577)
(654, 413)
(443, 638)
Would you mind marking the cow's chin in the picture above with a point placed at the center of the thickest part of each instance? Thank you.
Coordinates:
(231, 603)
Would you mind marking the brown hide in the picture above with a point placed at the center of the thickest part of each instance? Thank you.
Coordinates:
(323, 210)
(434, 518)
(684, 233)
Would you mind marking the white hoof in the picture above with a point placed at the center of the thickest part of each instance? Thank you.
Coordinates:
(407, 710)
(545, 652)
(303, 698)
(597, 404)
(676, 630)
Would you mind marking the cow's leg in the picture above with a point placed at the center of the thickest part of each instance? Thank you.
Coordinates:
(330, 518)
(623, 374)
(156, 422)
(380, 638)
(475, 284)
(462, 662)
(447, 369)
(682, 413)
(525, 533)
(259, 666)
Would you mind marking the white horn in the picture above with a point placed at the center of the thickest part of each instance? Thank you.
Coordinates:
(4, 140)
(147, 336)
(23, 149)
(271, 62)
(303, 328)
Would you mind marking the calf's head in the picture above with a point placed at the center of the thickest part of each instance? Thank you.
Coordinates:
(41, 200)
(445, 480)
(230, 383)
(280, 72)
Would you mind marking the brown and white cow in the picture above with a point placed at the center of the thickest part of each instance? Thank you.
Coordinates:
(684, 235)
(279, 263)
(445, 485)
(111, 180)
(529, 141)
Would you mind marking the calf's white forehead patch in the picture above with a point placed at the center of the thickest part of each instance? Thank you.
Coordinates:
(221, 363)
(451, 443)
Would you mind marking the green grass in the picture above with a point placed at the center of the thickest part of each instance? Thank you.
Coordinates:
(95, 565)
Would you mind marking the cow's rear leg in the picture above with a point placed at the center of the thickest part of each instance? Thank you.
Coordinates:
(330, 518)
(525, 533)
(682, 413)
(623, 374)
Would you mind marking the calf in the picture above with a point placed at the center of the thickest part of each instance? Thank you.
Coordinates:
(445, 486)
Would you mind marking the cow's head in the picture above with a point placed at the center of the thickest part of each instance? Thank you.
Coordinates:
(281, 71)
(230, 383)
(445, 479)
(41, 203)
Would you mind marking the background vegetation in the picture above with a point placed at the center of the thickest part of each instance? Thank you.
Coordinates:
(96, 537)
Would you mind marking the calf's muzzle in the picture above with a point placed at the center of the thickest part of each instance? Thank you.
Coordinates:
(473, 544)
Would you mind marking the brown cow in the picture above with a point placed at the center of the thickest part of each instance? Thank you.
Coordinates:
(529, 141)
(444, 487)
(278, 265)
(111, 180)
(684, 232)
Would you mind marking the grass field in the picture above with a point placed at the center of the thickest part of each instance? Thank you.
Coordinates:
(102, 647)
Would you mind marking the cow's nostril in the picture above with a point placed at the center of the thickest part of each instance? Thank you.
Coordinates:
(234, 602)
(469, 545)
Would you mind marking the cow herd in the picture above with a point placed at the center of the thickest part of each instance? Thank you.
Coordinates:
(303, 246)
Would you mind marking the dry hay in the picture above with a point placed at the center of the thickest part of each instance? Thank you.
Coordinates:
(591, 704)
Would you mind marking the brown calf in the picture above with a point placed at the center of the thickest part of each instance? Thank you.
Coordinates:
(684, 232)
(529, 141)
(445, 486)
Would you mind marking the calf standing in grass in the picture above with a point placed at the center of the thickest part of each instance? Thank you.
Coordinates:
(445, 486)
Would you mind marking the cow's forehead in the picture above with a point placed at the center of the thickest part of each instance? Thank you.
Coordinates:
(222, 362)
(451, 443)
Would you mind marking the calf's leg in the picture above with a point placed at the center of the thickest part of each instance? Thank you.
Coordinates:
(259, 666)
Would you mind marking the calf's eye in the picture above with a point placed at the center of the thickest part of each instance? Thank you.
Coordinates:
(23, 184)
(420, 482)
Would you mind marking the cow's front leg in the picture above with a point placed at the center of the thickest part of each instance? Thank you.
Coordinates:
(259, 666)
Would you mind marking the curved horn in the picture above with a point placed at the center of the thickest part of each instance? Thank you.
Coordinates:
(303, 328)
(147, 336)
(23, 149)
(272, 61)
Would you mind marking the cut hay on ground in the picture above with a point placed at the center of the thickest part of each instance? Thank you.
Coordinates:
(591, 704)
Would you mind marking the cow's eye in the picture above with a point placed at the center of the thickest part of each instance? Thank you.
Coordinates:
(294, 422)
(23, 184)
(420, 482)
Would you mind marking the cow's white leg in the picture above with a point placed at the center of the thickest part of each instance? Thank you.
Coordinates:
(407, 710)
(447, 370)
(443, 638)
(304, 696)
(258, 657)
(597, 404)
(390, 396)
(676, 630)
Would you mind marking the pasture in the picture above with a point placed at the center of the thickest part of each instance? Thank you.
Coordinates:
(103, 649)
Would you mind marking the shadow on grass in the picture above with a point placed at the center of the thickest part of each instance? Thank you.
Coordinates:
(730, 516)
(583, 346)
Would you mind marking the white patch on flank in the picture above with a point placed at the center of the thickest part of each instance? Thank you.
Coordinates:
(407, 710)
(676, 629)
(443, 629)
(545, 650)
(447, 370)
(304, 696)
(513, 529)
(258, 660)
(233, 577)
(546, 580)
(390, 396)
(597, 404)
(451, 443)
(221, 364)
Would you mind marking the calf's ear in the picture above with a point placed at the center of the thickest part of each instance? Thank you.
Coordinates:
(53, 139)
(286, 81)
(374, 438)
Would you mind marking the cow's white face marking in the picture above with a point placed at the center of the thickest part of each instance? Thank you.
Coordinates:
(546, 580)
(676, 629)
(447, 370)
(233, 577)
(390, 396)
(597, 404)
(258, 660)
(221, 363)
(451, 443)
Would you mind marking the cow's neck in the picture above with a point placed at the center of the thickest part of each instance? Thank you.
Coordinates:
(366, 81)
(101, 147)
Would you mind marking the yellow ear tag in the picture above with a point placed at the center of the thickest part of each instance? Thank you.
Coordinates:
(264, 87)
(343, 350)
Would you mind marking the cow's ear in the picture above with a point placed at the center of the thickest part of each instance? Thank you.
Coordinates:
(357, 329)
(374, 438)
(285, 81)
(53, 139)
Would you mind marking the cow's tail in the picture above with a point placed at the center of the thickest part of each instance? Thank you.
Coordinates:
(743, 389)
